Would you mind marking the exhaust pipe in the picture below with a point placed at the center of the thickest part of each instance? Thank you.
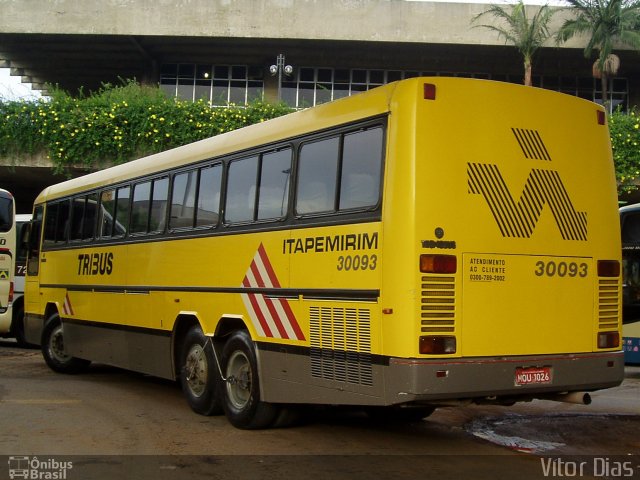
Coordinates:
(580, 398)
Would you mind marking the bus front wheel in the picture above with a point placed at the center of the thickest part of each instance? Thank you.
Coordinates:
(241, 392)
(53, 349)
(17, 326)
(199, 375)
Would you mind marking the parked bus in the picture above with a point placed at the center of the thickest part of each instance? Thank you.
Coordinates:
(13, 260)
(20, 270)
(7, 259)
(630, 225)
(435, 241)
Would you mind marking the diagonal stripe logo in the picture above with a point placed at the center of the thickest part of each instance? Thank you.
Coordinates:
(519, 218)
(66, 306)
(271, 317)
(542, 188)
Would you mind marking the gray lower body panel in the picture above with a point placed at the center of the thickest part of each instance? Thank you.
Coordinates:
(142, 350)
(292, 378)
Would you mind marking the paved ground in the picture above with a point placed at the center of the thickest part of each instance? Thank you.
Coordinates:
(111, 423)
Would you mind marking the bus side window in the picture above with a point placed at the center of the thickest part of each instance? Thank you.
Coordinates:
(183, 200)
(77, 214)
(34, 242)
(159, 196)
(140, 207)
(50, 221)
(106, 216)
(209, 187)
(241, 190)
(317, 174)
(63, 225)
(361, 169)
(89, 221)
(121, 225)
(274, 184)
(57, 223)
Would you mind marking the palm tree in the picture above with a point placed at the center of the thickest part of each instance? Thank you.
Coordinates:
(608, 23)
(526, 35)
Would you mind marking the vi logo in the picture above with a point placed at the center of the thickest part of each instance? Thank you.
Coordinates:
(543, 187)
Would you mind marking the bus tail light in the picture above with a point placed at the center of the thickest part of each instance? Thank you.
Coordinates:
(429, 91)
(10, 292)
(608, 268)
(438, 263)
(437, 345)
(608, 340)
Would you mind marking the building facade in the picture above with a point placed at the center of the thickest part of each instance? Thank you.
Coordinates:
(304, 52)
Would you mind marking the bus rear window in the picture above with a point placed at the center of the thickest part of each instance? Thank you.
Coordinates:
(6, 213)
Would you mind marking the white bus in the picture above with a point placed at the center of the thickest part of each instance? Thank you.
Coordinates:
(20, 270)
(7, 252)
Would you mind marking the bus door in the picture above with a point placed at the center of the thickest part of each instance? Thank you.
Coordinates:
(32, 283)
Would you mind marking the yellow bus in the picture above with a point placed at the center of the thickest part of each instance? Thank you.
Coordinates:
(431, 242)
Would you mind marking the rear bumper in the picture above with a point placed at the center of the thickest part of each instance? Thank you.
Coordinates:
(425, 380)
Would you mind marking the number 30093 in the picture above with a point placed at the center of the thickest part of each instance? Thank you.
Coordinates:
(561, 269)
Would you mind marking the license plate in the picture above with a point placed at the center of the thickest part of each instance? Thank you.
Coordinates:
(533, 376)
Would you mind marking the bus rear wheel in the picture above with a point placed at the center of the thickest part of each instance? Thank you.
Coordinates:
(199, 375)
(241, 392)
(53, 349)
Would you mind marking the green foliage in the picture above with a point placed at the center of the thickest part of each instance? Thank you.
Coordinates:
(607, 23)
(527, 35)
(116, 124)
(625, 141)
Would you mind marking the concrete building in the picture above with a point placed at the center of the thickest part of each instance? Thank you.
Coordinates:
(225, 50)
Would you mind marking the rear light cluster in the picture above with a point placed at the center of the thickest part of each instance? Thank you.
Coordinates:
(438, 263)
(438, 344)
(608, 268)
(608, 339)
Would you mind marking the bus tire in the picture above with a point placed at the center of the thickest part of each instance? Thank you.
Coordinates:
(17, 326)
(199, 375)
(241, 392)
(52, 342)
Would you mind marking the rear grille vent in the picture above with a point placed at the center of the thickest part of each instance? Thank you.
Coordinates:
(340, 340)
(438, 310)
(608, 304)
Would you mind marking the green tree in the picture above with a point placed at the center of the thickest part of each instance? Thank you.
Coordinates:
(607, 23)
(625, 142)
(116, 124)
(527, 35)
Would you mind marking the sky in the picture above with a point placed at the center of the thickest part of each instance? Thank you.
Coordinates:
(12, 89)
